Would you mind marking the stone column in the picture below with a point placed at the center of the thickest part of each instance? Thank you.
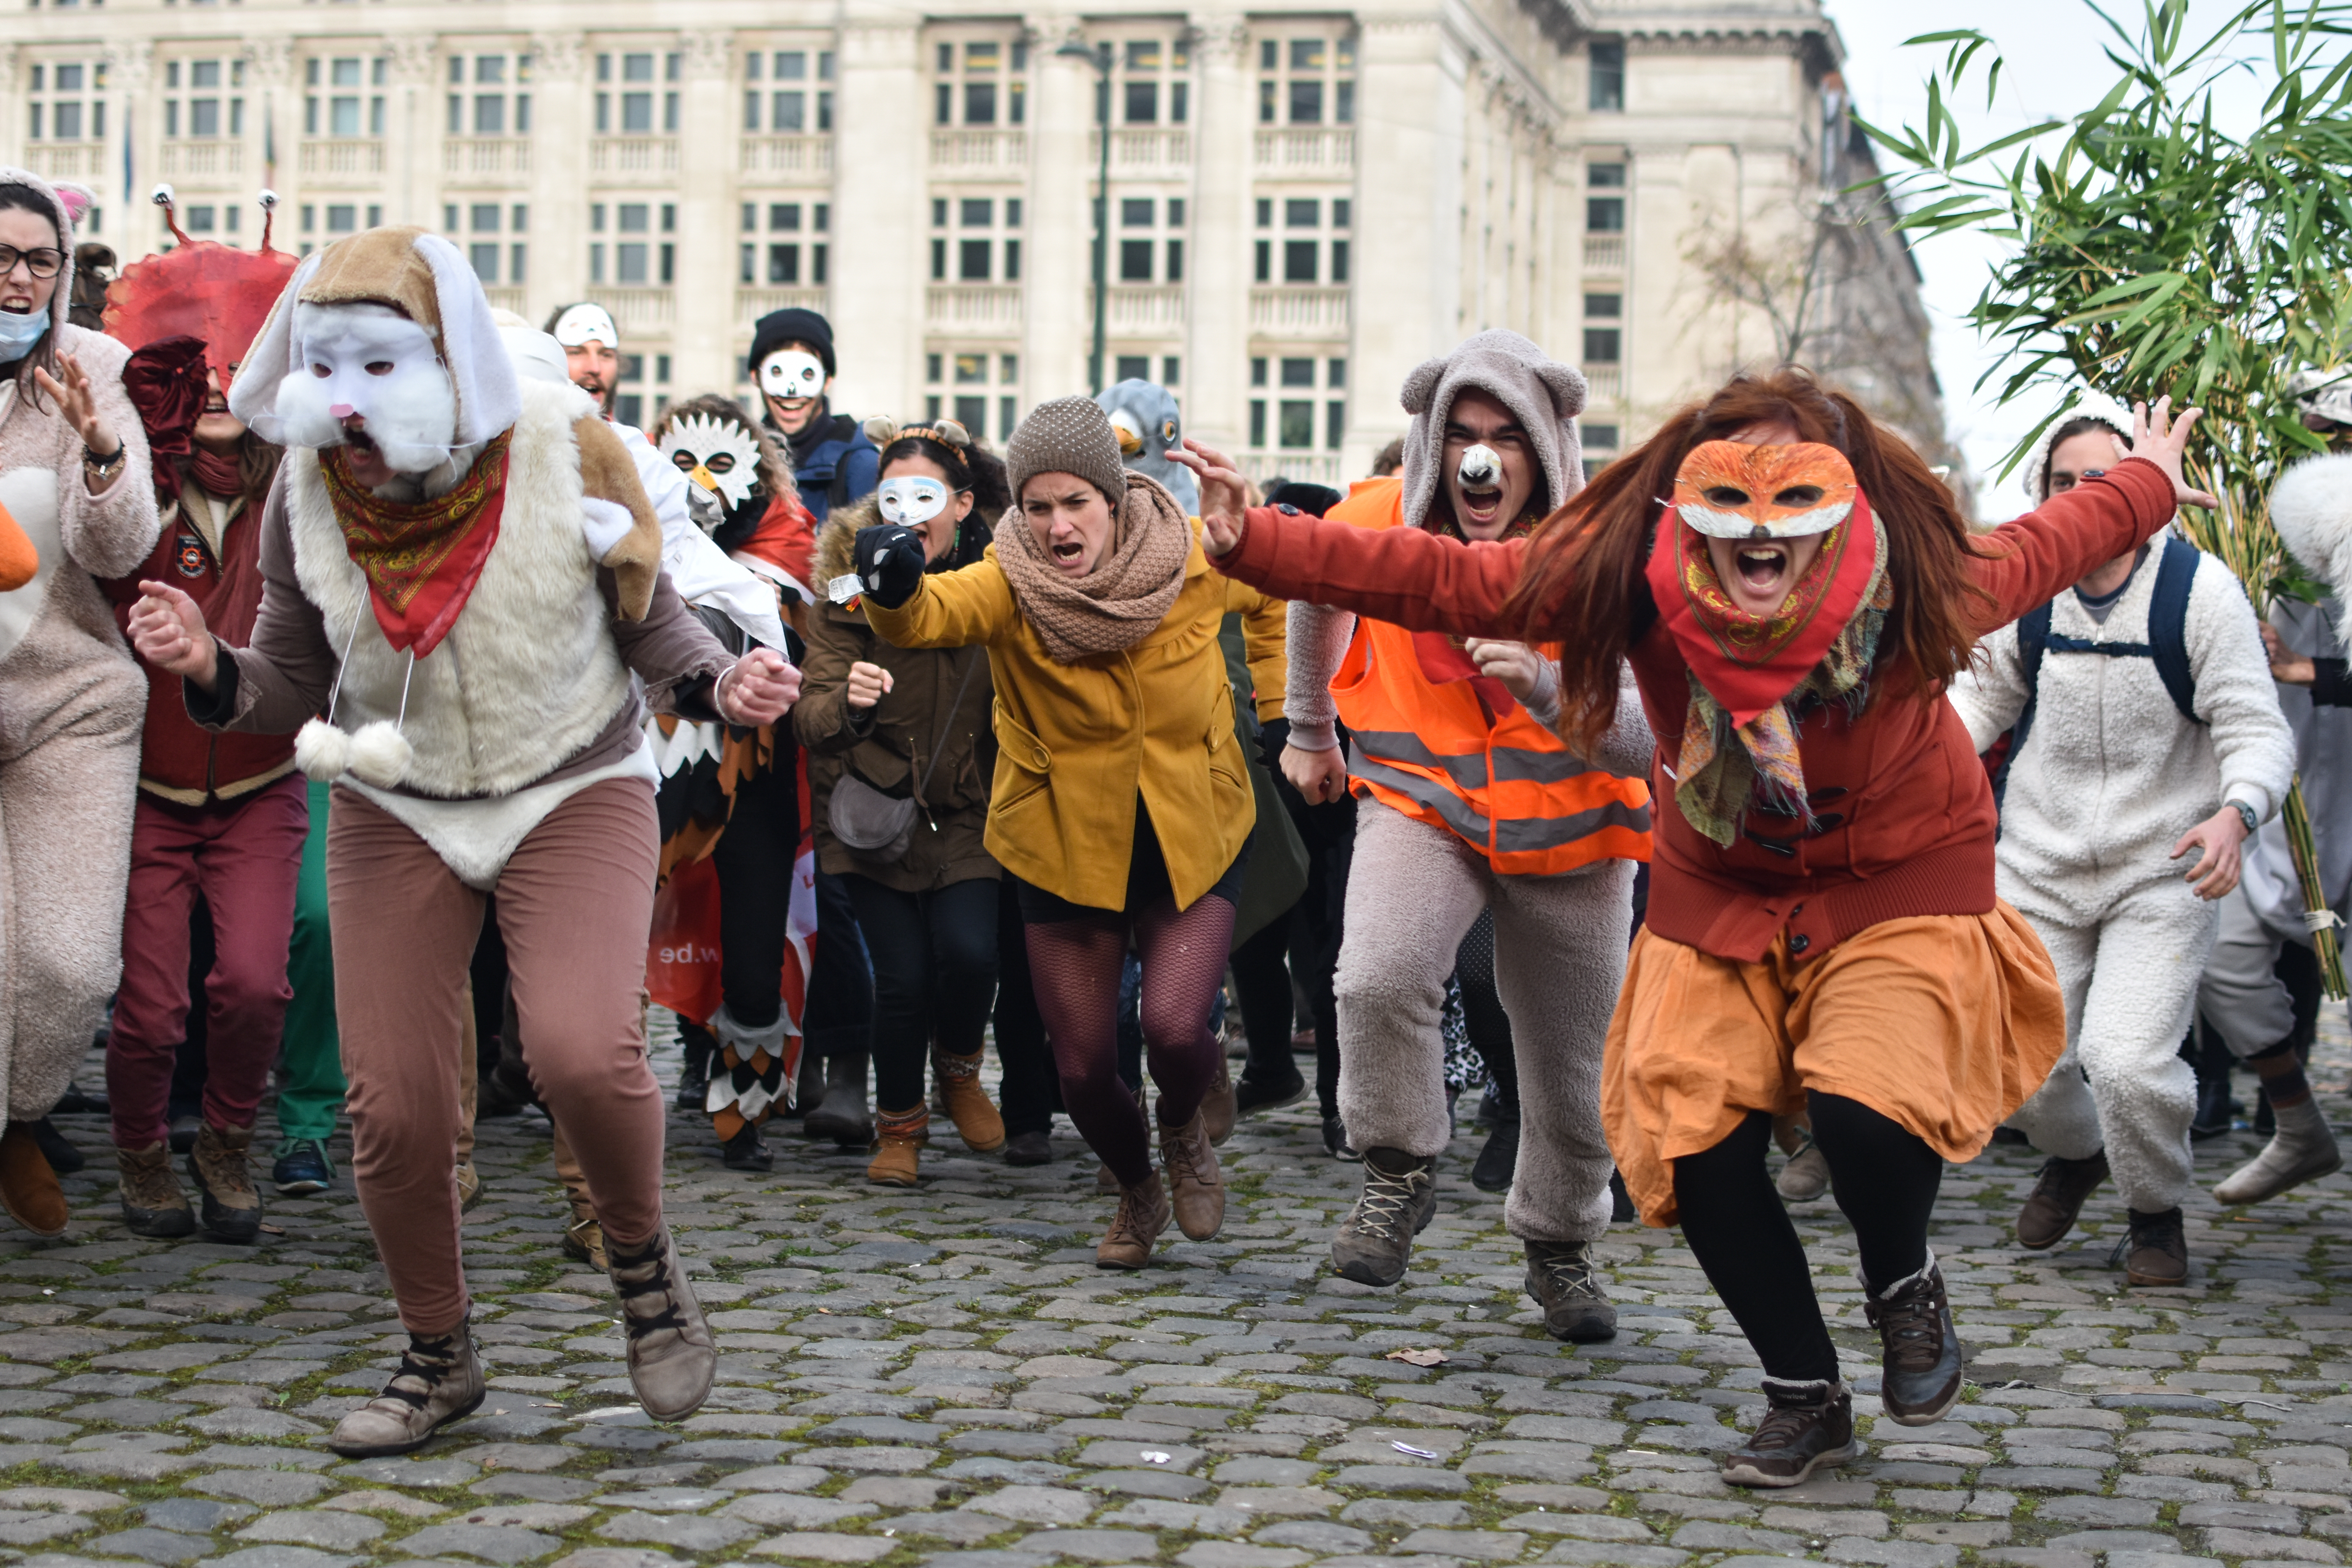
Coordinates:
(1408, 251)
(1217, 295)
(561, 123)
(1057, 318)
(413, 132)
(702, 342)
(881, 120)
(139, 228)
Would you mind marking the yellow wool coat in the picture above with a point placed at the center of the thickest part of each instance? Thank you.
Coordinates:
(1077, 743)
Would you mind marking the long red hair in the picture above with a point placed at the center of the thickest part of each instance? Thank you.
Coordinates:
(1584, 586)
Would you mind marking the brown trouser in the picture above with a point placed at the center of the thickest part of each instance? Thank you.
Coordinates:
(573, 904)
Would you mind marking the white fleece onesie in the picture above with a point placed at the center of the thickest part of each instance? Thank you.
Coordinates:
(2110, 776)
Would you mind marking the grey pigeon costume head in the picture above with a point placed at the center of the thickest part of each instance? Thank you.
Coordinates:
(1144, 416)
(1542, 394)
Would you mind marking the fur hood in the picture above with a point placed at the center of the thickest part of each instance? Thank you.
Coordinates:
(836, 541)
(2312, 506)
(1543, 394)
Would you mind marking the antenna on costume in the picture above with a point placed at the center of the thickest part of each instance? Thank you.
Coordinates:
(162, 197)
(268, 200)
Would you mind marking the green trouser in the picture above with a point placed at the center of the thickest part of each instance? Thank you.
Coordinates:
(310, 1075)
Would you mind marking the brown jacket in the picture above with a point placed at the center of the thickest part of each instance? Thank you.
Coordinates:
(890, 744)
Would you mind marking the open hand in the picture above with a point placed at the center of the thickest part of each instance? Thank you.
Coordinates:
(78, 406)
(2218, 837)
(868, 684)
(757, 689)
(2161, 439)
(1224, 495)
(1320, 777)
(2288, 667)
(168, 630)
(1515, 664)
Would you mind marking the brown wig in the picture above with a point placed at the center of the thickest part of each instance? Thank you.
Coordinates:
(1584, 583)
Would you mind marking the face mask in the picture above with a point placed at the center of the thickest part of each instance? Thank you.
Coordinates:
(19, 333)
(718, 455)
(584, 324)
(910, 500)
(790, 373)
(371, 361)
(1729, 489)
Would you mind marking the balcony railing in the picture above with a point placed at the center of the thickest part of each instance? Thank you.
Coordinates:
(633, 160)
(1298, 311)
(67, 160)
(787, 157)
(485, 159)
(1605, 381)
(343, 160)
(1604, 253)
(750, 304)
(1310, 467)
(638, 309)
(974, 307)
(203, 160)
(506, 298)
(1307, 149)
(1006, 149)
(1143, 309)
(1143, 152)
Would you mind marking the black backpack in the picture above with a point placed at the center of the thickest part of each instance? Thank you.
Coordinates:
(2168, 644)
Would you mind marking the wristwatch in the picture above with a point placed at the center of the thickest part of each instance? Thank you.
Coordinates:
(2246, 815)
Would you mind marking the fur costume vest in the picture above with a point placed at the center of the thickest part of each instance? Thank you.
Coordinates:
(529, 674)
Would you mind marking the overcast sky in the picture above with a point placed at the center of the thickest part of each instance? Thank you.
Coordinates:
(2054, 67)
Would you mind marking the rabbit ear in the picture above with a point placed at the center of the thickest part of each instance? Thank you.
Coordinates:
(881, 430)
(1419, 384)
(1567, 387)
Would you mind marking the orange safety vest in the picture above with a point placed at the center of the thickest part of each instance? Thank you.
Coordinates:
(1507, 786)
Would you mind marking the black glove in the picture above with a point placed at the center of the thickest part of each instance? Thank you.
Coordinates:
(1273, 735)
(890, 564)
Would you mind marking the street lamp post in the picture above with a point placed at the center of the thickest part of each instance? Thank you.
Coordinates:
(1100, 55)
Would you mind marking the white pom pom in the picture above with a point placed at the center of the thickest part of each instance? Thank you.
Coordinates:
(321, 750)
(380, 754)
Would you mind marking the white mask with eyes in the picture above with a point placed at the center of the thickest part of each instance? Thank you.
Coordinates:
(716, 454)
(910, 500)
(789, 373)
(371, 361)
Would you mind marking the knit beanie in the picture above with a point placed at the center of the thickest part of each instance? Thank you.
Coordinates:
(1068, 436)
(796, 325)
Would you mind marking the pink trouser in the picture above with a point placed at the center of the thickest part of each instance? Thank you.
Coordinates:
(243, 856)
(574, 904)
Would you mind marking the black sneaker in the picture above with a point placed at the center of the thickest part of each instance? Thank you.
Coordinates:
(747, 1151)
(1029, 1149)
(1252, 1095)
(1921, 1357)
(1561, 1279)
(1399, 1198)
(1499, 1158)
(303, 1167)
(1334, 1140)
(56, 1147)
(1809, 1423)
(693, 1074)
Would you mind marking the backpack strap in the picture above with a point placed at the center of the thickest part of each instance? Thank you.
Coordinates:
(2032, 641)
(2168, 623)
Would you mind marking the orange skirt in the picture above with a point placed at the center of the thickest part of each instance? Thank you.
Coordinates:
(1945, 1024)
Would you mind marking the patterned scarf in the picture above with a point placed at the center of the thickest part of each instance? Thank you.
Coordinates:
(421, 560)
(1751, 676)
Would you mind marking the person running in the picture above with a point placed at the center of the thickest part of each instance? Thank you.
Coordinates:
(1119, 800)
(1822, 928)
(2145, 736)
(898, 740)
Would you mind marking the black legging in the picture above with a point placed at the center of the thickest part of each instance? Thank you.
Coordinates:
(754, 860)
(1262, 986)
(1884, 1179)
(934, 977)
(1482, 1009)
(1030, 1095)
(1318, 924)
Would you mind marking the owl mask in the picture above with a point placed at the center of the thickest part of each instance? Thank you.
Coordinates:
(716, 454)
(1728, 489)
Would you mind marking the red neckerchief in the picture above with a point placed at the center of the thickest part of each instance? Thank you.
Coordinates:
(785, 538)
(421, 560)
(1749, 663)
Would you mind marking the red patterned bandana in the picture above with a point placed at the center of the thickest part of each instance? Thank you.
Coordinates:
(421, 560)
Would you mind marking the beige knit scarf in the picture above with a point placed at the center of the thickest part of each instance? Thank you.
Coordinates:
(1117, 604)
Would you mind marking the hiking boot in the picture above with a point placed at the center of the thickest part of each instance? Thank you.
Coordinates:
(1252, 1095)
(439, 1380)
(583, 1239)
(2302, 1149)
(747, 1151)
(469, 1186)
(56, 1147)
(976, 1119)
(153, 1203)
(1143, 1213)
(672, 1357)
(1806, 1176)
(2155, 1249)
(1921, 1358)
(1399, 1198)
(2057, 1198)
(842, 1115)
(1029, 1149)
(1219, 1106)
(1809, 1423)
(1498, 1161)
(1561, 1279)
(303, 1167)
(1196, 1189)
(230, 1207)
(898, 1137)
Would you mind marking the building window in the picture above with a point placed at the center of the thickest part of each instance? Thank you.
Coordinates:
(60, 113)
(1296, 420)
(986, 247)
(1306, 81)
(1604, 203)
(1154, 81)
(1602, 345)
(1606, 60)
(1599, 437)
(214, 104)
(980, 83)
(1314, 247)
(964, 384)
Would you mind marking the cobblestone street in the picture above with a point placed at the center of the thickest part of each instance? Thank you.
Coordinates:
(943, 1376)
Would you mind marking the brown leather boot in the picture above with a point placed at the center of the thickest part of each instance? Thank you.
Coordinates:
(28, 1188)
(1196, 1187)
(153, 1203)
(976, 1119)
(439, 1380)
(583, 1239)
(672, 1357)
(2057, 1198)
(1219, 1106)
(1142, 1215)
(898, 1141)
(231, 1206)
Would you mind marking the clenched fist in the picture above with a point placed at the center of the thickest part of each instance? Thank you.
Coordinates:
(168, 630)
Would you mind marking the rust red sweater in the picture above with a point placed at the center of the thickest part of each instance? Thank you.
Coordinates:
(1905, 815)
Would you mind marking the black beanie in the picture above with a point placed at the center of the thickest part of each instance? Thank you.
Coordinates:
(1309, 497)
(795, 326)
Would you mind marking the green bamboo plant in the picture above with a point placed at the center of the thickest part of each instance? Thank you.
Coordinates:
(2158, 246)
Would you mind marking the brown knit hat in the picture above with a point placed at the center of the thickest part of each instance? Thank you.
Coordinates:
(1068, 436)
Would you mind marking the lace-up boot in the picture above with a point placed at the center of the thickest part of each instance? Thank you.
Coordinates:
(2155, 1249)
(153, 1203)
(1809, 1423)
(1195, 1187)
(231, 1208)
(1143, 1214)
(583, 1239)
(439, 1380)
(2057, 1198)
(672, 1357)
(1921, 1350)
(1561, 1278)
(1399, 1198)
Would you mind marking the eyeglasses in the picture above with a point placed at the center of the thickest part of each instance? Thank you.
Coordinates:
(2063, 481)
(44, 262)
